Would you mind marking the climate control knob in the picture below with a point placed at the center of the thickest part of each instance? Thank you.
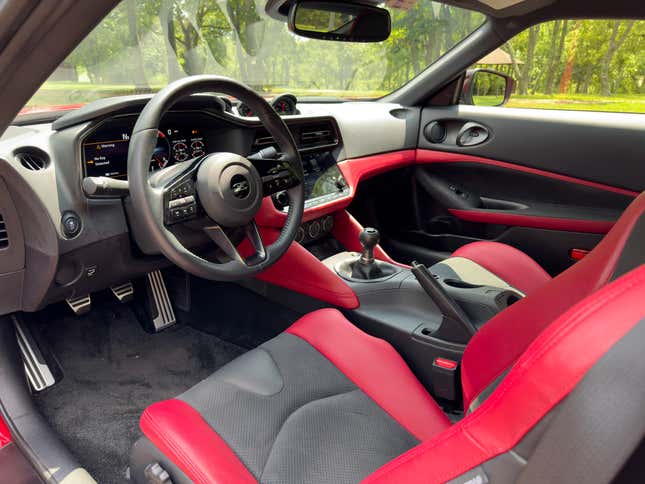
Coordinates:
(313, 231)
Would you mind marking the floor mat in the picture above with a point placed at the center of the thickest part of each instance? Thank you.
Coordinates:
(112, 371)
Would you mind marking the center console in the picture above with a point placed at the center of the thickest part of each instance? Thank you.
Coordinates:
(425, 314)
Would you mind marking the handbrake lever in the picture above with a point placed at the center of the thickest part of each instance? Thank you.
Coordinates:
(456, 326)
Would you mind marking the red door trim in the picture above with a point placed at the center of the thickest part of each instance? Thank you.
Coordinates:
(534, 221)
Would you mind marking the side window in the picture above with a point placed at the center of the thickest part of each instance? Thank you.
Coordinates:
(590, 65)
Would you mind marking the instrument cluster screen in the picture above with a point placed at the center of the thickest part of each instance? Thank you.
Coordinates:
(105, 152)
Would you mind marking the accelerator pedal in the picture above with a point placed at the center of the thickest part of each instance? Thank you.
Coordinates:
(123, 292)
(80, 305)
(160, 305)
(38, 372)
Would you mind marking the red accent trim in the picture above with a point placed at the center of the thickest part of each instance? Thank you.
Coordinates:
(346, 231)
(430, 156)
(180, 432)
(5, 435)
(509, 333)
(578, 254)
(300, 271)
(552, 223)
(543, 377)
(374, 366)
(508, 263)
(356, 169)
(445, 363)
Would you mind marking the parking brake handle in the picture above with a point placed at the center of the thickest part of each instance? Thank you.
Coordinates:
(455, 326)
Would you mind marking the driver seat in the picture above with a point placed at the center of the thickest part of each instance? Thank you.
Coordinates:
(326, 402)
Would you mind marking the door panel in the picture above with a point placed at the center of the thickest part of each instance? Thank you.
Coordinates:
(607, 148)
(544, 182)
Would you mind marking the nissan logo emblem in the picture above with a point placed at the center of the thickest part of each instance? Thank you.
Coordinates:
(240, 186)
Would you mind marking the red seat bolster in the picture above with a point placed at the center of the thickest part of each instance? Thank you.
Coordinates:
(508, 263)
(545, 374)
(180, 432)
(376, 368)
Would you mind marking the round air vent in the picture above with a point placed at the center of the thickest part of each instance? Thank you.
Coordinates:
(33, 159)
(435, 132)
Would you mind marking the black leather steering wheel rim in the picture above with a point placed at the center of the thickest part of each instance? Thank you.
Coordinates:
(147, 202)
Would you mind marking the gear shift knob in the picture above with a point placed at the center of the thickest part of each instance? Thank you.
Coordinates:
(369, 238)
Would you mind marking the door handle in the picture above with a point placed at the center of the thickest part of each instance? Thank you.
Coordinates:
(472, 134)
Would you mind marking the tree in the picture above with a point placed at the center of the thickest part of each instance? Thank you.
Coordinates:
(527, 67)
(138, 72)
(615, 42)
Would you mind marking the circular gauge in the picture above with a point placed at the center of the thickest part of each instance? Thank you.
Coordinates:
(197, 148)
(244, 110)
(285, 104)
(161, 155)
(180, 151)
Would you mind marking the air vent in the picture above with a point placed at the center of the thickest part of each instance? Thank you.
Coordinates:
(4, 235)
(318, 135)
(32, 158)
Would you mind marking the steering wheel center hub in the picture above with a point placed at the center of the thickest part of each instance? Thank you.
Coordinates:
(229, 188)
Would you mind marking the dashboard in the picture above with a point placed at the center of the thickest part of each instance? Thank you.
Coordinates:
(45, 259)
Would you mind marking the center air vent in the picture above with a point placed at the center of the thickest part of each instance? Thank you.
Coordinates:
(4, 236)
(32, 158)
(318, 135)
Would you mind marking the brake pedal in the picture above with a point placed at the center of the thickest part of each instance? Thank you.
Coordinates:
(123, 292)
(160, 305)
(36, 368)
(80, 305)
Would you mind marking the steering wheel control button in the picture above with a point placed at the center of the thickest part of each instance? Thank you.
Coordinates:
(71, 224)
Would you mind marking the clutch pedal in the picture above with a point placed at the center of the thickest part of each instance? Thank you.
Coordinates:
(80, 305)
(38, 372)
(123, 292)
(160, 305)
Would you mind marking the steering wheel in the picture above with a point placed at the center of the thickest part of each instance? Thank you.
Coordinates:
(218, 189)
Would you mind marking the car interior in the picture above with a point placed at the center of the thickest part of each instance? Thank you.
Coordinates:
(205, 283)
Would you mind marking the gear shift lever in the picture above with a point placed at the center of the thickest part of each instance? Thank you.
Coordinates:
(366, 268)
(369, 238)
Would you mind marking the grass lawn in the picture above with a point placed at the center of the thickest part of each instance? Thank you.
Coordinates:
(581, 102)
(53, 93)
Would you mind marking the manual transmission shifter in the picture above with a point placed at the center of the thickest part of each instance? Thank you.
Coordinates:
(369, 238)
(366, 268)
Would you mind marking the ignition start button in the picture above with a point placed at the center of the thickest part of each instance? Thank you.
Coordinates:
(71, 224)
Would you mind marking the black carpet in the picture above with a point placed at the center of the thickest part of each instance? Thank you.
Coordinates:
(112, 371)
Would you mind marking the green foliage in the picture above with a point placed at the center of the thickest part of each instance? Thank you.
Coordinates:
(143, 44)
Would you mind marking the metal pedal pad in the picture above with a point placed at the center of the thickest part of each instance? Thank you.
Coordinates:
(160, 305)
(36, 368)
(80, 305)
(123, 292)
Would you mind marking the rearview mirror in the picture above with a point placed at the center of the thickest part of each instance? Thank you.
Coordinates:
(483, 87)
(341, 21)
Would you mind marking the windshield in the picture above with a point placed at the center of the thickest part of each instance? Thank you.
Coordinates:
(142, 45)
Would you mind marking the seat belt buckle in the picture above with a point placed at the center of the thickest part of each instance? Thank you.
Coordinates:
(444, 378)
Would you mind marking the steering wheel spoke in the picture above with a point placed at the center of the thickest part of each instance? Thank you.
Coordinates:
(223, 241)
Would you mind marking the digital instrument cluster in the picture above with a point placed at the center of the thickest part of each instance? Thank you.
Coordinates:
(105, 151)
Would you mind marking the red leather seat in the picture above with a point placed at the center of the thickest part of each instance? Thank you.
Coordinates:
(325, 402)
(482, 262)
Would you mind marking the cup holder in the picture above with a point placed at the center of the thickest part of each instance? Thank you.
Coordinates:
(460, 284)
